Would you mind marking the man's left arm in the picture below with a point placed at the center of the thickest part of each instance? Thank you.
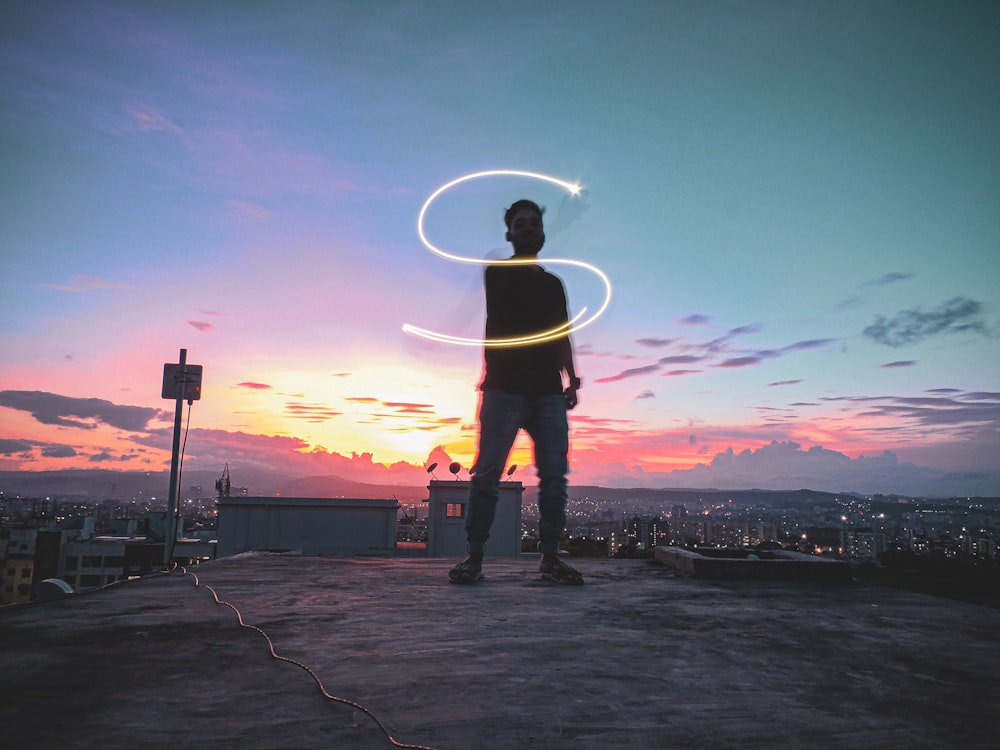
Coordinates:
(566, 357)
(566, 348)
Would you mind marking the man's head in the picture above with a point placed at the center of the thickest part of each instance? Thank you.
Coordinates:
(525, 230)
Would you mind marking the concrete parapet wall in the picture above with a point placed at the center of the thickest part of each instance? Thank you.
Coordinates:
(779, 565)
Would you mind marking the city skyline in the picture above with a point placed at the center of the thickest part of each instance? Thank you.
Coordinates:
(794, 204)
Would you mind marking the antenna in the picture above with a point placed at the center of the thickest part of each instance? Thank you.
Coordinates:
(455, 468)
(511, 470)
(223, 484)
(430, 470)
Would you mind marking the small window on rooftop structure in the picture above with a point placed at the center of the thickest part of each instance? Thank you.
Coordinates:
(455, 510)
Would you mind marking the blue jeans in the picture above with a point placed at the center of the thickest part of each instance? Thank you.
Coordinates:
(501, 415)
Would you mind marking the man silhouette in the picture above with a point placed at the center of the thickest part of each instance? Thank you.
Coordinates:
(523, 388)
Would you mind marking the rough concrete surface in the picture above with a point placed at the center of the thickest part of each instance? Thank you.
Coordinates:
(635, 658)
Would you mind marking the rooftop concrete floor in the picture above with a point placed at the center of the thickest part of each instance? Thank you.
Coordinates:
(635, 658)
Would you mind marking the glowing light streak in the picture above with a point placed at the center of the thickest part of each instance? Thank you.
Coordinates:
(575, 324)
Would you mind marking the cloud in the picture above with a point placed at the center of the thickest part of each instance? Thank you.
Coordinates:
(101, 457)
(783, 382)
(801, 346)
(51, 408)
(858, 298)
(645, 394)
(695, 319)
(48, 450)
(630, 373)
(959, 410)
(676, 373)
(786, 465)
(890, 278)
(900, 363)
(58, 451)
(8, 447)
(654, 342)
(957, 315)
(402, 407)
(680, 359)
(254, 386)
(310, 412)
(756, 357)
(81, 283)
(201, 325)
(209, 449)
(147, 118)
(740, 362)
(247, 211)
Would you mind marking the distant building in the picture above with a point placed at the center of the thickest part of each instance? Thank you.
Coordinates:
(863, 544)
(96, 562)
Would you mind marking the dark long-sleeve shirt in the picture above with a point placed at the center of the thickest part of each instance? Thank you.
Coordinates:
(522, 300)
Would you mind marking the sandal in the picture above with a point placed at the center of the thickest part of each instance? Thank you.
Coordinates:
(558, 571)
(466, 572)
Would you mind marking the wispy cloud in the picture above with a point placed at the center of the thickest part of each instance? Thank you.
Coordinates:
(899, 363)
(711, 349)
(756, 357)
(929, 411)
(201, 325)
(310, 412)
(247, 211)
(654, 342)
(403, 407)
(681, 359)
(957, 315)
(748, 361)
(892, 277)
(254, 386)
(630, 373)
(783, 382)
(146, 117)
(857, 298)
(695, 319)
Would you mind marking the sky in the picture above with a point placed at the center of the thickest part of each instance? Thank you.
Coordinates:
(796, 204)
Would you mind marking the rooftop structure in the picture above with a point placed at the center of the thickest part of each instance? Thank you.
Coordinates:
(638, 657)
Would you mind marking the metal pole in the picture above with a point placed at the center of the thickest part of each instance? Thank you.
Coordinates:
(171, 535)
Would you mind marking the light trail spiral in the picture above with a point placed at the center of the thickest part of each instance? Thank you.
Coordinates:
(575, 324)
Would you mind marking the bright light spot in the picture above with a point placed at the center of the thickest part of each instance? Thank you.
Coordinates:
(578, 321)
